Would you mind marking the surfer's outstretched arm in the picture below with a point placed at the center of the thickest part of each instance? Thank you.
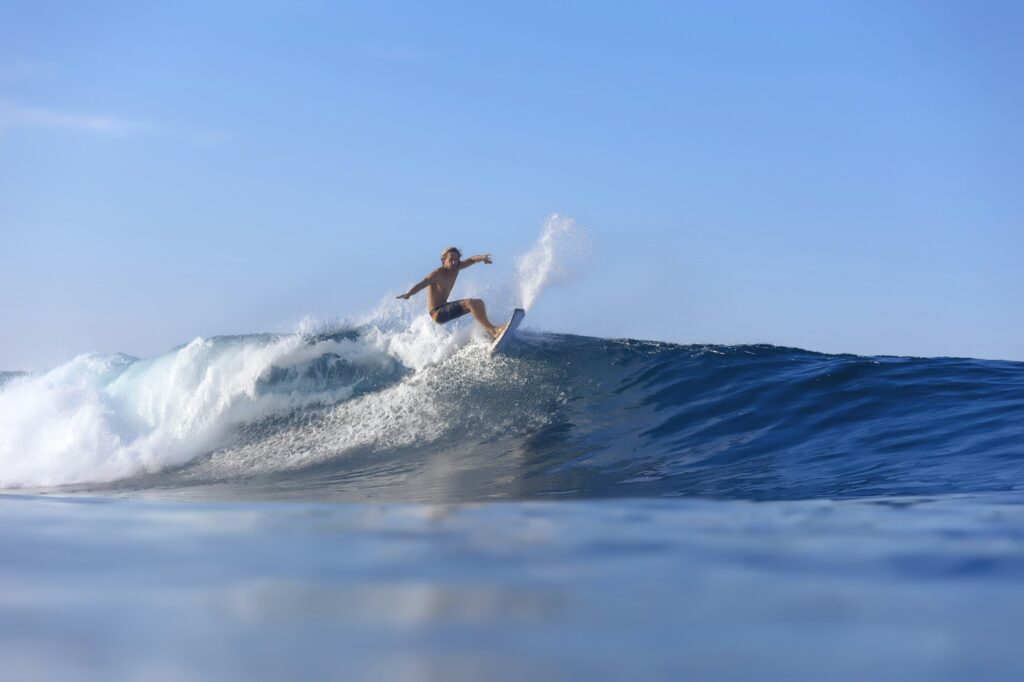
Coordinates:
(423, 284)
(484, 258)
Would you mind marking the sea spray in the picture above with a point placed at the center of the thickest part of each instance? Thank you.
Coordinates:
(555, 256)
(552, 259)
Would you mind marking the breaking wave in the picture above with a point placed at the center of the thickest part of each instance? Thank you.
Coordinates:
(367, 414)
(394, 407)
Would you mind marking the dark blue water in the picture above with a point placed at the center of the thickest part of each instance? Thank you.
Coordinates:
(590, 418)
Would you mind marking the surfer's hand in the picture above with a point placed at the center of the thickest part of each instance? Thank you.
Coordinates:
(405, 296)
(487, 258)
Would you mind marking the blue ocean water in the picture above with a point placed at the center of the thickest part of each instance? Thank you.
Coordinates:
(343, 417)
(582, 506)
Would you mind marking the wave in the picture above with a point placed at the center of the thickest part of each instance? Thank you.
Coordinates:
(421, 412)
(394, 407)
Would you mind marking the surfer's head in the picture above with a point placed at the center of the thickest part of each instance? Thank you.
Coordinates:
(450, 257)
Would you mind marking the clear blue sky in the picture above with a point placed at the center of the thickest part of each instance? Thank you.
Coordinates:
(841, 176)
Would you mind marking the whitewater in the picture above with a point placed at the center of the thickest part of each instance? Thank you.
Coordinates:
(242, 405)
(582, 507)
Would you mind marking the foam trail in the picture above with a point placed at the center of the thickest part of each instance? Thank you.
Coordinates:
(561, 245)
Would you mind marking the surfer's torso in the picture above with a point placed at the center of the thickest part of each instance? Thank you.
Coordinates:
(442, 281)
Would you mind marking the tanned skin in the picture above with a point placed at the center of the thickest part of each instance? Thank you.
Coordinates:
(440, 282)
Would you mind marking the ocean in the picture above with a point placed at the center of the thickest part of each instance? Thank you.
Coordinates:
(385, 500)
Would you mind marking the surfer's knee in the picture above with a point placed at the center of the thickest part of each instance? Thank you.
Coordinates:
(474, 302)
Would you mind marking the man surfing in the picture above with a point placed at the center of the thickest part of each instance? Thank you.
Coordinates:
(439, 286)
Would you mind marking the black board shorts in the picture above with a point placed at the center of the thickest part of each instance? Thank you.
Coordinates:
(449, 311)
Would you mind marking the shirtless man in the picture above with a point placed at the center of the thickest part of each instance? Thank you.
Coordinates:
(439, 285)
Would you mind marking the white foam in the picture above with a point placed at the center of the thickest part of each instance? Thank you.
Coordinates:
(441, 400)
(102, 418)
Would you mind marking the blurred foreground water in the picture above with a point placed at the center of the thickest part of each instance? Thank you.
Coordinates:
(887, 588)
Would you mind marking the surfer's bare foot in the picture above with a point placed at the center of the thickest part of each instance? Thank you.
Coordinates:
(496, 331)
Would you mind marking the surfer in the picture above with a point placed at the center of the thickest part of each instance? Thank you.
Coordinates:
(439, 285)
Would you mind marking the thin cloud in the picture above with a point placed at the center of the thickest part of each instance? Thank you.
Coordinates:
(15, 115)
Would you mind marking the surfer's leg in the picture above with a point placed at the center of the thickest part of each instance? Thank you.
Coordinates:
(479, 310)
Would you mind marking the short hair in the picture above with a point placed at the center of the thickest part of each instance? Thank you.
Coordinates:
(451, 248)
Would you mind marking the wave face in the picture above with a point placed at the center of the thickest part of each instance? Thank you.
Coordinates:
(418, 412)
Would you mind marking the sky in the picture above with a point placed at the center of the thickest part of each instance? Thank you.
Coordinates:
(842, 176)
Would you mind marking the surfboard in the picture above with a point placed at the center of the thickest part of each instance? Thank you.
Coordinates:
(501, 343)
